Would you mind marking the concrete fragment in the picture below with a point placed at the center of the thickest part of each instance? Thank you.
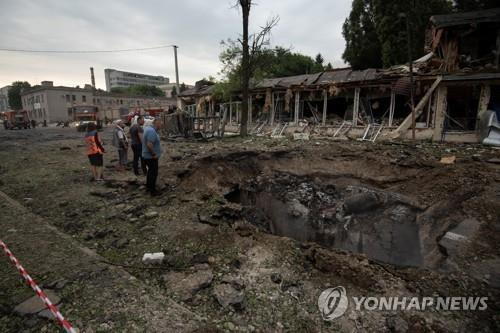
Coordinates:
(301, 136)
(227, 296)
(153, 258)
(456, 239)
(187, 285)
(297, 209)
(448, 160)
(150, 215)
(236, 282)
(34, 304)
(46, 314)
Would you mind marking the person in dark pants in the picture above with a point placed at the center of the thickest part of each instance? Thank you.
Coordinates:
(136, 132)
(120, 141)
(151, 152)
(94, 151)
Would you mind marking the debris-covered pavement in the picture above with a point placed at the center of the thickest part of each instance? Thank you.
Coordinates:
(247, 233)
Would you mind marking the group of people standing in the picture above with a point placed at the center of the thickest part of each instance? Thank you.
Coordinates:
(144, 141)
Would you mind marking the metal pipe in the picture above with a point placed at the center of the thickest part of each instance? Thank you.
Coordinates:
(176, 75)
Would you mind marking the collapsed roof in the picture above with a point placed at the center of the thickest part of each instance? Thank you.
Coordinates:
(468, 18)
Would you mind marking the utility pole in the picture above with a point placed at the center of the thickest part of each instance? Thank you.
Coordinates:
(176, 75)
(410, 59)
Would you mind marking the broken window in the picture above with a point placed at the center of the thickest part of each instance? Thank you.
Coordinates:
(462, 108)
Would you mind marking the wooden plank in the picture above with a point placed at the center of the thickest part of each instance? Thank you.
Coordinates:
(325, 105)
(392, 107)
(440, 115)
(418, 110)
(484, 100)
(273, 110)
(297, 105)
(355, 112)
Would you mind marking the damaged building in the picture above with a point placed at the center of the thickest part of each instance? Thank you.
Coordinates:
(456, 93)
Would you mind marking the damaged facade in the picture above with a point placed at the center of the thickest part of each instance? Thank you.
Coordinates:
(456, 85)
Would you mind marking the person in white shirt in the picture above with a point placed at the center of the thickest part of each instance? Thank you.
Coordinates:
(120, 141)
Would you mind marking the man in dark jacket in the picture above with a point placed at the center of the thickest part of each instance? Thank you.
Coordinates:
(136, 132)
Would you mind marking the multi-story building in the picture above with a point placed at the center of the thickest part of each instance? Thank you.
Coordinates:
(57, 103)
(4, 98)
(120, 79)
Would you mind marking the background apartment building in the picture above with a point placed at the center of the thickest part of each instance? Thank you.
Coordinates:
(120, 79)
(4, 98)
(58, 103)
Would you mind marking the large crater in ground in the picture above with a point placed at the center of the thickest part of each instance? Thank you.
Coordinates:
(342, 203)
(360, 219)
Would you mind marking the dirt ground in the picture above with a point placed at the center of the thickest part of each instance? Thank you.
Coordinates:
(253, 230)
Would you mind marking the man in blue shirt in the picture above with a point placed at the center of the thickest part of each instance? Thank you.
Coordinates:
(151, 152)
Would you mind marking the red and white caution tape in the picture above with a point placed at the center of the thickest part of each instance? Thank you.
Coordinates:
(63, 322)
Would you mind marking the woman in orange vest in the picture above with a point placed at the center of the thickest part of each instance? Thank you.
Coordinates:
(94, 151)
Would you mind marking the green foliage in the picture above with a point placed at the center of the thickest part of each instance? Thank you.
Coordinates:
(319, 59)
(265, 63)
(376, 33)
(14, 94)
(363, 48)
(182, 87)
(390, 22)
(139, 90)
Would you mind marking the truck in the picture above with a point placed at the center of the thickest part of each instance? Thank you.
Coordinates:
(84, 118)
(16, 120)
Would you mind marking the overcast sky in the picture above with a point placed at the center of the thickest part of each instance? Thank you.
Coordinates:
(197, 26)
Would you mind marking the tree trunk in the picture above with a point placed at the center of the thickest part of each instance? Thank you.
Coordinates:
(245, 64)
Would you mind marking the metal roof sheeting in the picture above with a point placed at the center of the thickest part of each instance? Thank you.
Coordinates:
(481, 16)
(348, 75)
(322, 78)
(198, 91)
(472, 77)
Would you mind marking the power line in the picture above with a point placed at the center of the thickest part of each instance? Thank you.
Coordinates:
(85, 51)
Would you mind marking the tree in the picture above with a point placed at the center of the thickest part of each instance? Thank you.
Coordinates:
(319, 59)
(174, 91)
(363, 49)
(265, 63)
(375, 31)
(328, 67)
(139, 90)
(245, 66)
(14, 94)
(391, 26)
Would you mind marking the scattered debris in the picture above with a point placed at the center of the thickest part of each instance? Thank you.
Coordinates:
(34, 305)
(448, 160)
(228, 296)
(153, 258)
(186, 285)
(301, 136)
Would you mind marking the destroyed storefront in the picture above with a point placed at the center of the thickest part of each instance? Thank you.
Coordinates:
(455, 85)
(370, 105)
